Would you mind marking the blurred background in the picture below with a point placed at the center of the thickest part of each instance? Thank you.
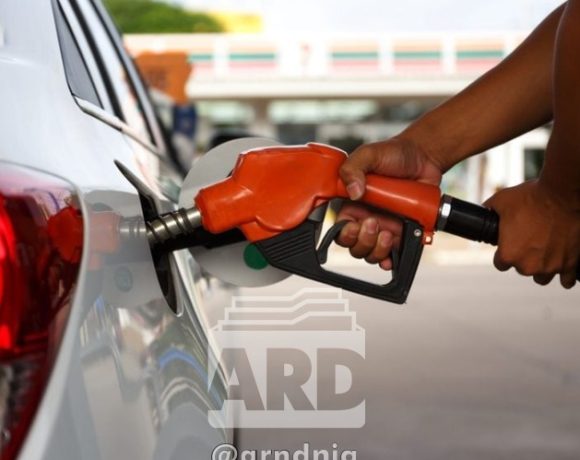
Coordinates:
(342, 73)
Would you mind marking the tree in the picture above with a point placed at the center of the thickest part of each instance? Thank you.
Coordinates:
(152, 16)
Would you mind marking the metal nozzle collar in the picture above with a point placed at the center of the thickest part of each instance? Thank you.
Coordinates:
(444, 211)
(172, 225)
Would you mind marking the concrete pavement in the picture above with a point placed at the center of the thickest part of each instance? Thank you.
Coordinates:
(477, 365)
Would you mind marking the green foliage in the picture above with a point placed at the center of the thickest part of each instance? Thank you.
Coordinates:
(151, 16)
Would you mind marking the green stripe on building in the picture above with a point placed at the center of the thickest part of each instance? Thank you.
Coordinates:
(252, 56)
(480, 54)
(200, 58)
(412, 55)
(355, 55)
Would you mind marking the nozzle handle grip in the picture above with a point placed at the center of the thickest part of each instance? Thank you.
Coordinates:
(295, 251)
(472, 221)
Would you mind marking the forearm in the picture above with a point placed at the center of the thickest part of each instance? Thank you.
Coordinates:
(512, 98)
(561, 170)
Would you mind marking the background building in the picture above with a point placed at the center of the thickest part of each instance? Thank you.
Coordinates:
(345, 90)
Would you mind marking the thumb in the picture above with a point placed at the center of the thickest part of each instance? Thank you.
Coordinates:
(354, 169)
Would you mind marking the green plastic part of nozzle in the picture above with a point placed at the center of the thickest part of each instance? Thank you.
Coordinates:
(254, 258)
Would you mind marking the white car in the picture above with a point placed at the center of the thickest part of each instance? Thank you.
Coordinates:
(103, 345)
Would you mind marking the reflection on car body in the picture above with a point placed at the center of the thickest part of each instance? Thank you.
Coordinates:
(129, 378)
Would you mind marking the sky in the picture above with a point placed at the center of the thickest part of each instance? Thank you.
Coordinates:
(373, 16)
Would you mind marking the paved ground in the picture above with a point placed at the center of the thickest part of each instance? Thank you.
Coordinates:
(477, 365)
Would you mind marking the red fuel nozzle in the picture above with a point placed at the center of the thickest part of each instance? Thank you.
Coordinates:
(274, 189)
(272, 192)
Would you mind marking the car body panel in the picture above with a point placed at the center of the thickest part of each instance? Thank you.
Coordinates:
(130, 379)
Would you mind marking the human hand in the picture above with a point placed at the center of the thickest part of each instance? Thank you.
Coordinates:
(539, 233)
(371, 235)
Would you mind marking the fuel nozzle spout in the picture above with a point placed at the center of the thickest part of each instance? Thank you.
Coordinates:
(173, 225)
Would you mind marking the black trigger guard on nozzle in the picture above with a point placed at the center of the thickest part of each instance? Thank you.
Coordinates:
(295, 251)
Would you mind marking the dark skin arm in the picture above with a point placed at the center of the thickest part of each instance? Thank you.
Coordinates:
(540, 226)
(561, 172)
(511, 99)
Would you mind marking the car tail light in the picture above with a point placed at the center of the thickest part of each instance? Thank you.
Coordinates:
(40, 250)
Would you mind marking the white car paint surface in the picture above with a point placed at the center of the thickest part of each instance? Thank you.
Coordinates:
(130, 378)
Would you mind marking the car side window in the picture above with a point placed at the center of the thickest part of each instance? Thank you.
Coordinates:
(128, 106)
(77, 74)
